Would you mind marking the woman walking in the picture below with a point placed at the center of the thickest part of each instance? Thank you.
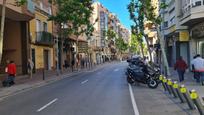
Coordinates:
(181, 67)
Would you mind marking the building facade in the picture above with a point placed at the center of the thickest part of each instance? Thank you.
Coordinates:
(192, 15)
(42, 39)
(16, 34)
(98, 41)
(175, 34)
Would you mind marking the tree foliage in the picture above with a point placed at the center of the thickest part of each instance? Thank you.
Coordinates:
(75, 14)
(121, 45)
(111, 35)
(134, 44)
(145, 10)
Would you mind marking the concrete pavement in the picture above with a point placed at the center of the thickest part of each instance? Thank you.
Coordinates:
(189, 82)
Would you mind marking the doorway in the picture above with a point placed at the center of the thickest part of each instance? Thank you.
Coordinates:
(46, 59)
(33, 59)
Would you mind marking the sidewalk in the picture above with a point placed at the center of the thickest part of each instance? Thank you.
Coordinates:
(189, 82)
(25, 83)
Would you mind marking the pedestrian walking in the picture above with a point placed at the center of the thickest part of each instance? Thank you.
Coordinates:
(181, 67)
(73, 63)
(11, 71)
(195, 74)
(30, 68)
(198, 64)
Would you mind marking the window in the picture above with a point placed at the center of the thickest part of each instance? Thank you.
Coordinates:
(172, 20)
(197, 3)
(45, 26)
(171, 10)
(166, 24)
(38, 25)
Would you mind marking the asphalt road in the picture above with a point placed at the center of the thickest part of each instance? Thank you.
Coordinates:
(102, 92)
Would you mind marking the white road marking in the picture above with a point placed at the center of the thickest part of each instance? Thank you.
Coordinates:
(45, 106)
(116, 69)
(133, 101)
(83, 82)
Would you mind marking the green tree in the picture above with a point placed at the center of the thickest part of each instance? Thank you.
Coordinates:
(145, 9)
(3, 12)
(111, 35)
(134, 45)
(121, 45)
(137, 14)
(76, 15)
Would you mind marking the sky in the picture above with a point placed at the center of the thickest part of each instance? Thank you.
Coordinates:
(119, 7)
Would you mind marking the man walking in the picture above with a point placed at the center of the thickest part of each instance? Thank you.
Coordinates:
(181, 67)
(198, 64)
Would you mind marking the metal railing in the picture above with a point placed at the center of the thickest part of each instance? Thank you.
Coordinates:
(44, 38)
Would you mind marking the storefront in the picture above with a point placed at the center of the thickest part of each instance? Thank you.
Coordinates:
(177, 45)
(197, 40)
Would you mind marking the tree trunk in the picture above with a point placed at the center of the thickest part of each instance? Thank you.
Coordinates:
(142, 49)
(149, 50)
(2, 29)
(166, 65)
(77, 51)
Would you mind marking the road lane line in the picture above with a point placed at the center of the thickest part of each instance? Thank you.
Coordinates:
(133, 101)
(45, 106)
(83, 82)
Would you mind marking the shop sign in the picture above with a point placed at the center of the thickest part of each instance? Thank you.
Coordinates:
(83, 47)
(183, 36)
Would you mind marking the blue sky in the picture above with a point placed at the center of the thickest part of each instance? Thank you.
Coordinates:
(119, 7)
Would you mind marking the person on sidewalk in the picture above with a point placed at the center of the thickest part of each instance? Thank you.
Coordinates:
(181, 67)
(11, 71)
(195, 74)
(198, 64)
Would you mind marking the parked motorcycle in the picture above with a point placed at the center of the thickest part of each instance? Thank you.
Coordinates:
(139, 72)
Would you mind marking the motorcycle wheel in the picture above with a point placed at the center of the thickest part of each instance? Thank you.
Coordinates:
(129, 80)
(152, 84)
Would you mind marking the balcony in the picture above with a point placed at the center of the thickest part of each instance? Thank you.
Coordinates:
(18, 13)
(44, 38)
(192, 13)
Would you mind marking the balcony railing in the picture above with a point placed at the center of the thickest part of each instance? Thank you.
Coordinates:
(44, 38)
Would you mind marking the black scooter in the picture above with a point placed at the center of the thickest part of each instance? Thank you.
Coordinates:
(139, 72)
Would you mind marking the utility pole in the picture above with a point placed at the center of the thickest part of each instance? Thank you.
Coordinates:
(2, 28)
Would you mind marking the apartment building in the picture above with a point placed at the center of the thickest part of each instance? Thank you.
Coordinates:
(16, 34)
(42, 40)
(99, 35)
(124, 33)
(192, 16)
(175, 34)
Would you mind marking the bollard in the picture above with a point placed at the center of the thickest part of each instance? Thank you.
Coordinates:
(187, 97)
(161, 77)
(43, 73)
(179, 94)
(165, 84)
(194, 96)
(171, 88)
(168, 86)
